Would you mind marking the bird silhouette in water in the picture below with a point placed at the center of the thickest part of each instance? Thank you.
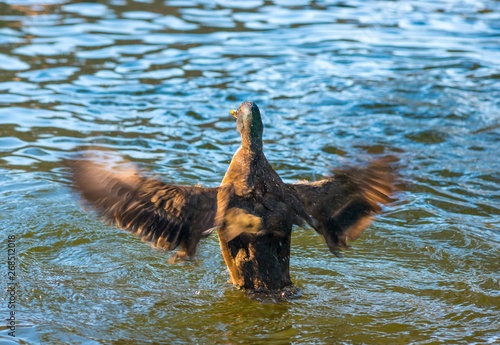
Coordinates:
(253, 210)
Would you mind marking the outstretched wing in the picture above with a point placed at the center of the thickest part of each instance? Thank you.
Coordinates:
(164, 214)
(344, 205)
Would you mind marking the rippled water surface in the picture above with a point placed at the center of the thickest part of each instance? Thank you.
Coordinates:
(338, 82)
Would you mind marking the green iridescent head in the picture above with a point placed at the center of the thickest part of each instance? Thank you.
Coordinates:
(249, 124)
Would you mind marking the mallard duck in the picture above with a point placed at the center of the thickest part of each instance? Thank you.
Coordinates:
(253, 210)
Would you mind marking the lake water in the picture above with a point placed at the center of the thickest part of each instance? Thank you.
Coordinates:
(338, 82)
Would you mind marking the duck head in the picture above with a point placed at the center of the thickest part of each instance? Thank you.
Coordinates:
(249, 124)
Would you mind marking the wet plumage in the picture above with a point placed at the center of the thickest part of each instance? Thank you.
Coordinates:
(167, 215)
(253, 209)
(344, 205)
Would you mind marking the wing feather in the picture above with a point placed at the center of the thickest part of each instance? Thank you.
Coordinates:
(170, 216)
(344, 204)
(166, 215)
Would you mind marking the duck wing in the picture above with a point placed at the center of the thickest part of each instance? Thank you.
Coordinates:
(345, 204)
(166, 215)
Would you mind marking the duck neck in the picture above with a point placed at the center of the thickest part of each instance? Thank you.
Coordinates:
(251, 138)
(251, 146)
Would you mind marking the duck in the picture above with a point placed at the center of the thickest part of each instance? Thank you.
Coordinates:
(253, 210)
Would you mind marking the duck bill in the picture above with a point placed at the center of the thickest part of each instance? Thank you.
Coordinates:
(233, 113)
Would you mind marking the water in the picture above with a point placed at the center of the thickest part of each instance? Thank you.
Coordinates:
(338, 82)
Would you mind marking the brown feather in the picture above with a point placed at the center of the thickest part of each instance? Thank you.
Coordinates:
(170, 216)
(344, 205)
(253, 209)
(164, 214)
(256, 211)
